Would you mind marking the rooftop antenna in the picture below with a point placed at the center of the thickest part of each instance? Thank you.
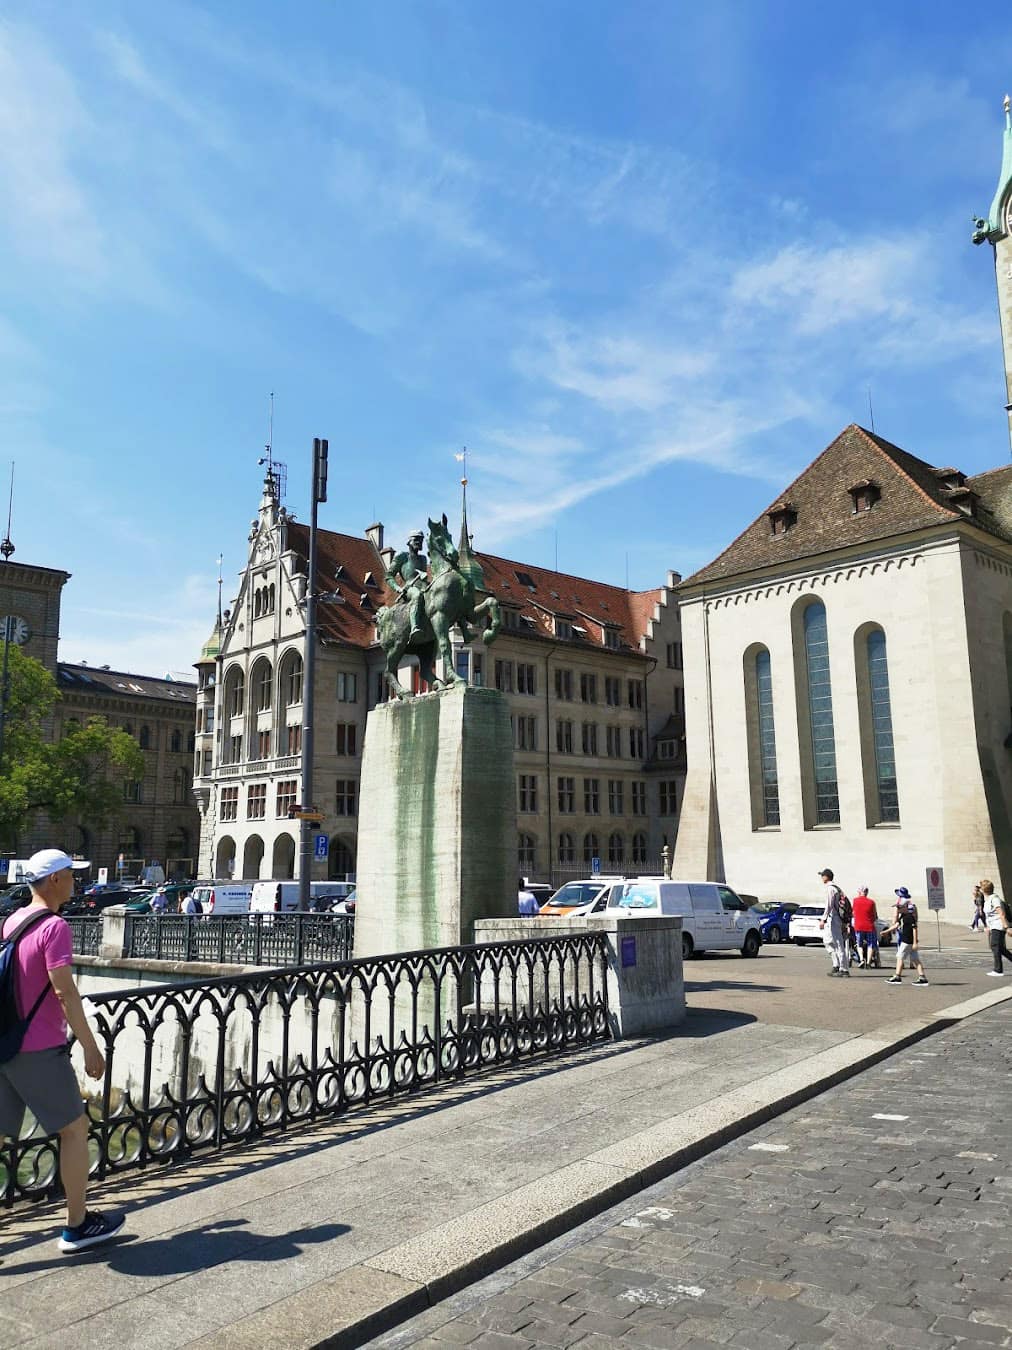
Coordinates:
(462, 459)
(219, 589)
(7, 546)
(871, 411)
(276, 471)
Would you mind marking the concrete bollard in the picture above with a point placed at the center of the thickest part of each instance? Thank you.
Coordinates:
(114, 932)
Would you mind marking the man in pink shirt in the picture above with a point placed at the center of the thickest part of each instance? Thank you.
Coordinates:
(40, 1076)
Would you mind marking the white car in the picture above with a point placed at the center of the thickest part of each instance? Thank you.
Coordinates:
(714, 918)
(804, 926)
(583, 897)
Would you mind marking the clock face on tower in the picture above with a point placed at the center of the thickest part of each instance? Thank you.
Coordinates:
(16, 629)
(1008, 216)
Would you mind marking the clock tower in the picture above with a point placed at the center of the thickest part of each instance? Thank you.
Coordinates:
(30, 603)
(996, 229)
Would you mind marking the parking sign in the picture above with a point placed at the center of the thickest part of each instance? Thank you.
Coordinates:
(595, 867)
(320, 846)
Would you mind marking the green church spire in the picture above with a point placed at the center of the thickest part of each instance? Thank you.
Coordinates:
(998, 221)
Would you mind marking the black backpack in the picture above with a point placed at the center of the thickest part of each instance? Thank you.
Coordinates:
(12, 1025)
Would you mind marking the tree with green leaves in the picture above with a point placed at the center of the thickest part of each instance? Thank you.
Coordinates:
(80, 777)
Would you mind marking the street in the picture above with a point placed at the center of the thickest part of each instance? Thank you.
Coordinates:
(875, 1214)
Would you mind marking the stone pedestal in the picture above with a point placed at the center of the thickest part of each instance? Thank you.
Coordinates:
(437, 843)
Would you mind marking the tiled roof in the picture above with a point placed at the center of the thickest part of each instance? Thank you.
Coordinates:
(913, 496)
(122, 684)
(346, 562)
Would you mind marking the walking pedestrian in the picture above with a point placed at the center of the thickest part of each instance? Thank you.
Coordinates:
(527, 901)
(834, 923)
(40, 1076)
(865, 928)
(159, 901)
(999, 921)
(979, 919)
(905, 925)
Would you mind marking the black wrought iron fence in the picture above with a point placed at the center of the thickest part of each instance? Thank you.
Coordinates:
(242, 939)
(192, 1068)
(86, 931)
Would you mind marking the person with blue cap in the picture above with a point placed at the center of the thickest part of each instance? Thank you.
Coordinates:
(905, 924)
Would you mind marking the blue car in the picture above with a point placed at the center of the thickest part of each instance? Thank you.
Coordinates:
(774, 918)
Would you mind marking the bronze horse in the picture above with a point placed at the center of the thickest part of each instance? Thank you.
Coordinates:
(450, 598)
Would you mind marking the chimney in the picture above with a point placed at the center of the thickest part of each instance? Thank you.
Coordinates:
(374, 533)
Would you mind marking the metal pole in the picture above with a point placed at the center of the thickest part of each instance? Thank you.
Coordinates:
(319, 494)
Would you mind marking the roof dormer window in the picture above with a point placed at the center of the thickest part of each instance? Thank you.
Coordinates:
(864, 495)
(563, 628)
(950, 478)
(782, 517)
(965, 499)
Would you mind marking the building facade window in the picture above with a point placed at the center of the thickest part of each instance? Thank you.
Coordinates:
(612, 639)
(293, 680)
(678, 702)
(591, 849)
(262, 745)
(527, 793)
(235, 693)
(820, 715)
(613, 742)
(564, 684)
(635, 693)
(229, 804)
(144, 739)
(504, 676)
(176, 743)
(636, 742)
(346, 790)
(564, 737)
(527, 853)
(612, 691)
(592, 796)
(347, 687)
(132, 791)
(668, 797)
(525, 733)
(287, 798)
(293, 740)
(762, 742)
(567, 795)
(588, 688)
(347, 738)
(616, 849)
(527, 678)
(674, 655)
(262, 681)
(667, 749)
(639, 847)
(589, 738)
(638, 792)
(882, 729)
(615, 796)
(567, 850)
(256, 801)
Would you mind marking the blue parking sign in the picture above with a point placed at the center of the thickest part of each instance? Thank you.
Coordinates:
(595, 867)
(320, 846)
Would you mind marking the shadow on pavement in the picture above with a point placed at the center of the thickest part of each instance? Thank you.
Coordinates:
(187, 1252)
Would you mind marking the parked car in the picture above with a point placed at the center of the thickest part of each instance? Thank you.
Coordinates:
(341, 905)
(282, 897)
(584, 897)
(774, 918)
(92, 902)
(804, 926)
(713, 916)
(14, 897)
(223, 897)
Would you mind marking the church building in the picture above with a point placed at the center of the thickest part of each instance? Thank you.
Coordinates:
(848, 668)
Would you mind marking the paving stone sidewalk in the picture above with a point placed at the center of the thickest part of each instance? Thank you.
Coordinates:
(876, 1214)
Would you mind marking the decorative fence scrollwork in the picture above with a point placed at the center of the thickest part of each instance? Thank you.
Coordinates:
(86, 930)
(242, 939)
(191, 1068)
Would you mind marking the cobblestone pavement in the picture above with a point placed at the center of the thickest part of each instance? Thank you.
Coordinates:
(877, 1214)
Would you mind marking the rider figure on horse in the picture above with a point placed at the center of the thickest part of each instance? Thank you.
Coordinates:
(413, 568)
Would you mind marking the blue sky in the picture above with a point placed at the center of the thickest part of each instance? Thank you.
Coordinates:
(643, 259)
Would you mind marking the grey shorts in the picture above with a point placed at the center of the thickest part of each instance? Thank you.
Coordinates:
(44, 1081)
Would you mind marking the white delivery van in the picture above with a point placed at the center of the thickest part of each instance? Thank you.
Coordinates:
(713, 917)
(282, 897)
(223, 897)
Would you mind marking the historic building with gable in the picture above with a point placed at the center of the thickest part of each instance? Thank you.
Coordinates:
(849, 670)
(592, 673)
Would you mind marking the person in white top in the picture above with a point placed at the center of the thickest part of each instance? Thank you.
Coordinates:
(834, 932)
(997, 918)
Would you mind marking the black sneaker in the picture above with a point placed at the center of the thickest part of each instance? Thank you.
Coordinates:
(920, 980)
(895, 979)
(834, 971)
(96, 1228)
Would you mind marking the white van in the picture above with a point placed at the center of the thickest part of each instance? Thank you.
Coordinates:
(713, 917)
(282, 897)
(223, 897)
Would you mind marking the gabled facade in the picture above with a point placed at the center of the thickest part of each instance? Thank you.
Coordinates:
(593, 674)
(849, 682)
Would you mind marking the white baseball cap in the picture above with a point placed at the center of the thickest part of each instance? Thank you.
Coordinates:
(50, 860)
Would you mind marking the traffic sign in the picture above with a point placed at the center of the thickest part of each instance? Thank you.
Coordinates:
(595, 867)
(936, 888)
(320, 846)
(315, 816)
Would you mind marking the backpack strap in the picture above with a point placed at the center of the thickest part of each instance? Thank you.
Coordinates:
(14, 938)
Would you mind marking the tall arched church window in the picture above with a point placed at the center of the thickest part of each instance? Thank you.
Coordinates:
(879, 713)
(526, 852)
(567, 853)
(825, 795)
(762, 741)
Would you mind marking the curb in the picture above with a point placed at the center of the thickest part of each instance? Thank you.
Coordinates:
(406, 1279)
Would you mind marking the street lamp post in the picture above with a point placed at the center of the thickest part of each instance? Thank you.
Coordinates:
(319, 494)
